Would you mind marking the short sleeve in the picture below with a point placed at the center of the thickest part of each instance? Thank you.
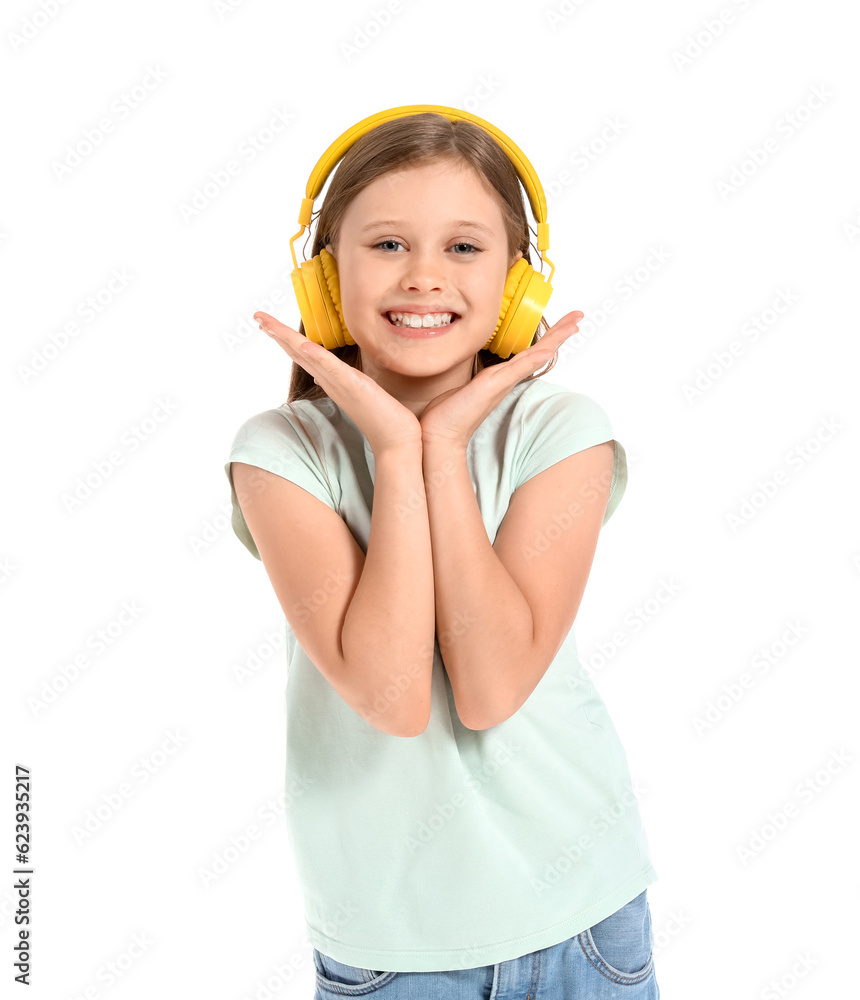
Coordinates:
(560, 425)
(270, 441)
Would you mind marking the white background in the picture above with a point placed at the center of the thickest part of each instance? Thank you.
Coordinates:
(690, 197)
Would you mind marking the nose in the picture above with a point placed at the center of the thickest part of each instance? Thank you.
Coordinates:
(423, 272)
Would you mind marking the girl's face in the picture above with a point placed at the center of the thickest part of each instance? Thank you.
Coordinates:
(426, 235)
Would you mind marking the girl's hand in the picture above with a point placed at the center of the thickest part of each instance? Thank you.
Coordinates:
(455, 415)
(383, 420)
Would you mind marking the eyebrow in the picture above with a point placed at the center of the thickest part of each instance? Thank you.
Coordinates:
(459, 224)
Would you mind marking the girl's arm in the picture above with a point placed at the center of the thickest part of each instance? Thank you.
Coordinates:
(388, 630)
(503, 610)
(366, 620)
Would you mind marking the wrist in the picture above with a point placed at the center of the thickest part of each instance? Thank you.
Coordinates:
(401, 450)
(444, 445)
(442, 458)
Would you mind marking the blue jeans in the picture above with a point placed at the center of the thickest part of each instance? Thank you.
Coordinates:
(610, 959)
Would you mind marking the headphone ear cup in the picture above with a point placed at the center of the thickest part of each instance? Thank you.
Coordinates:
(330, 285)
(317, 290)
(302, 277)
(524, 301)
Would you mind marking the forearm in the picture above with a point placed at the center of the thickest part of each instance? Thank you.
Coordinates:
(388, 631)
(483, 622)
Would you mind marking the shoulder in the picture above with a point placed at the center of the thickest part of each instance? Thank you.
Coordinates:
(292, 441)
(539, 400)
(289, 439)
(303, 426)
(550, 422)
(284, 421)
(547, 415)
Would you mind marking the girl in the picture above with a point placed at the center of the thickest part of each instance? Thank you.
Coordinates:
(459, 802)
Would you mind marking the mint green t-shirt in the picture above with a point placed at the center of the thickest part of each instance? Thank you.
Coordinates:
(456, 848)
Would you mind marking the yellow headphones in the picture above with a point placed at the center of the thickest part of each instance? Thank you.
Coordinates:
(316, 282)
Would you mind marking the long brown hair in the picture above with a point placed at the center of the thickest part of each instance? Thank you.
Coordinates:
(414, 139)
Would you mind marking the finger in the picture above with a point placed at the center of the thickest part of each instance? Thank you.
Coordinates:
(555, 336)
(324, 367)
(566, 327)
(287, 335)
(574, 317)
(299, 348)
(291, 340)
(532, 357)
(539, 357)
(279, 331)
(570, 319)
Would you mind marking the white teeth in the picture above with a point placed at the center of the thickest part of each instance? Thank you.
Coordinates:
(415, 321)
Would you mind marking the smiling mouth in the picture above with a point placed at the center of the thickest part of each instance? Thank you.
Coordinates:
(417, 330)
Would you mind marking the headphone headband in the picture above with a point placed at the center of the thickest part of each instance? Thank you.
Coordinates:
(339, 147)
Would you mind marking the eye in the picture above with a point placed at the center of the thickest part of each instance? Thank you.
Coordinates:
(472, 248)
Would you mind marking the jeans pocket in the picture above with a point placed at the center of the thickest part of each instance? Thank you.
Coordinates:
(339, 979)
(620, 947)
